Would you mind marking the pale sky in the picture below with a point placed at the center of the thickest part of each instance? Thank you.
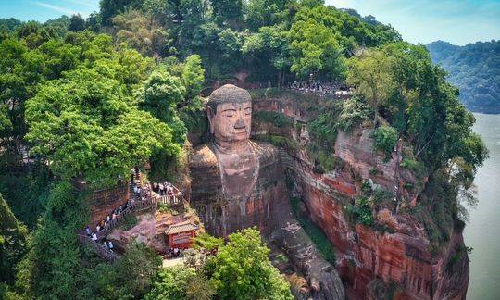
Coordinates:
(423, 21)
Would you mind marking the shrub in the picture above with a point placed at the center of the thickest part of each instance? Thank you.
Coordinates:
(128, 222)
(180, 283)
(354, 112)
(385, 139)
(361, 212)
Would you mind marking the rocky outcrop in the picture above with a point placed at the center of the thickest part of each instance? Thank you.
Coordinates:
(395, 253)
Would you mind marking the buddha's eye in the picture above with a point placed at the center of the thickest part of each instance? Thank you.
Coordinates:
(229, 113)
(248, 111)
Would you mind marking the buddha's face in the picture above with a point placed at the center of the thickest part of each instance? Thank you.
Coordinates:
(231, 122)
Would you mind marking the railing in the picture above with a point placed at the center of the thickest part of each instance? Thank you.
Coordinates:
(136, 205)
(174, 198)
(100, 249)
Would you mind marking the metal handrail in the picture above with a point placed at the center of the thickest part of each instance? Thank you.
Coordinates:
(100, 250)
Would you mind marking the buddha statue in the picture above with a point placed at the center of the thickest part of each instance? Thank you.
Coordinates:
(234, 180)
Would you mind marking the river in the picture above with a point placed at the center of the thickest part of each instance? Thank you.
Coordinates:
(483, 230)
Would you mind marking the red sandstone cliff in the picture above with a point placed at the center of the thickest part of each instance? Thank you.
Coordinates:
(395, 260)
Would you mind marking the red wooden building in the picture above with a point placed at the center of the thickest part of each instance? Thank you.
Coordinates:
(181, 235)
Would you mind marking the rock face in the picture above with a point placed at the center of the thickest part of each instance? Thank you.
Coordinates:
(398, 255)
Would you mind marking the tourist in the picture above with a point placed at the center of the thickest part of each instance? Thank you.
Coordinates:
(98, 228)
(135, 189)
(110, 246)
(94, 237)
(87, 231)
(161, 187)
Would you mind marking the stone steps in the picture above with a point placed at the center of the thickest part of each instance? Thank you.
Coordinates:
(286, 160)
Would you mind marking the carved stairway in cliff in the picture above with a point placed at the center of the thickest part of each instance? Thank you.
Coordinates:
(286, 160)
(147, 199)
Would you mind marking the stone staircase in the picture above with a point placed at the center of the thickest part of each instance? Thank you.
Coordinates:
(286, 160)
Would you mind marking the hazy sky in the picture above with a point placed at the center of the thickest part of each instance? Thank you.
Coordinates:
(419, 21)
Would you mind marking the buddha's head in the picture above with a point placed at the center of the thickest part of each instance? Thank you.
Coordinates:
(229, 112)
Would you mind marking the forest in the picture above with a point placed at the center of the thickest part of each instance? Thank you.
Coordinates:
(89, 99)
(475, 70)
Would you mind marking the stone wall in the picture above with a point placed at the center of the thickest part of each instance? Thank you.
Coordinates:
(103, 202)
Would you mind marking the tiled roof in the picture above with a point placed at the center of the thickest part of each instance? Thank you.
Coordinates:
(181, 227)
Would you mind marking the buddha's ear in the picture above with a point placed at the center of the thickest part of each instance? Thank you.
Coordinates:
(210, 116)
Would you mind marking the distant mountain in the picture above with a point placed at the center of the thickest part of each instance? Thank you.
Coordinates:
(475, 69)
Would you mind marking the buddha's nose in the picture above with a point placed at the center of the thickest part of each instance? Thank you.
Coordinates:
(240, 124)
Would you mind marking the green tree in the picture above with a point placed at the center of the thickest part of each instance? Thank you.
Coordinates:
(179, 283)
(243, 271)
(316, 48)
(88, 127)
(161, 94)
(193, 76)
(77, 23)
(260, 13)
(141, 33)
(111, 8)
(13, 242)
(269, 48)
(228, 12)
(371, 74)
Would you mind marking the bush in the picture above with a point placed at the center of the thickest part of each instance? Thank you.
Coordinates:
(128, 222)
(354, 112)
(385, 139)
(361, 212)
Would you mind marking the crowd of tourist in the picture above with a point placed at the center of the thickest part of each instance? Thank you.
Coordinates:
(140, 193)
(163, 188)
(320, 87)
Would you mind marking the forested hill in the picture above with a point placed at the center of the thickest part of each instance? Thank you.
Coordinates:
(89, 99)
(475, 69)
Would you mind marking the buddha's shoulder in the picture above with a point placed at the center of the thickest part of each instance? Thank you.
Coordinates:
(264, 149)
(202, 157)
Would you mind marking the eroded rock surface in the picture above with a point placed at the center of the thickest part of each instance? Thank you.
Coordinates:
(398, 254)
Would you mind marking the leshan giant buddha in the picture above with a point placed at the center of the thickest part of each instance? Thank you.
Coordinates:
(236, 183)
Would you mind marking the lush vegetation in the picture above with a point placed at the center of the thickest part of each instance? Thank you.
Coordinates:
(87, 99)
(475, 70)
(240, 270)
